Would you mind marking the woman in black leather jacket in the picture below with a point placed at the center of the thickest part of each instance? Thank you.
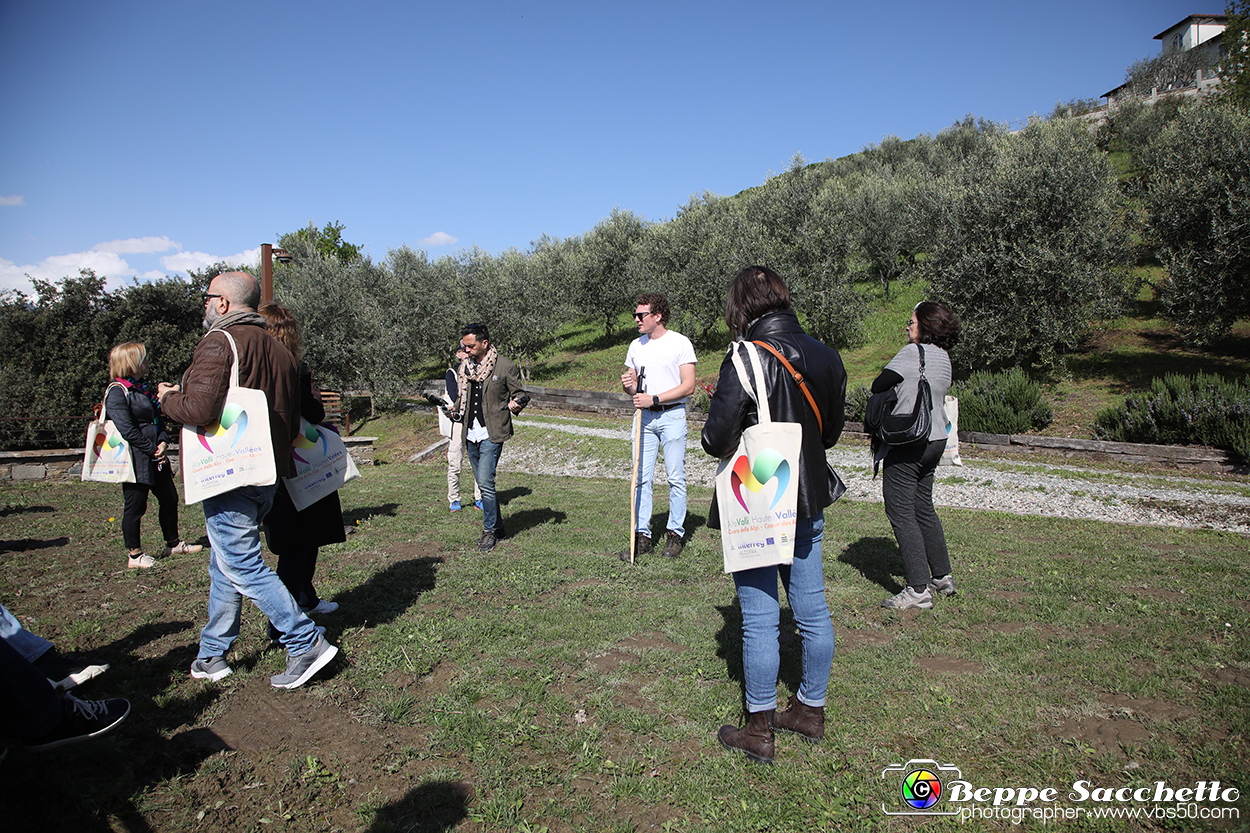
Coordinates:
(131, 404)
(758, 309)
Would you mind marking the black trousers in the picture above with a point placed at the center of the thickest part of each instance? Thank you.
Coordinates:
(907, 486)
(135, 497)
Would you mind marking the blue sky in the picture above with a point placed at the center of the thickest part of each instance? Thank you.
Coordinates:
(147, 138)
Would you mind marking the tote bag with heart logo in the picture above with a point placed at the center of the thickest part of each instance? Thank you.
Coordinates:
(233, 451)
(106, 457)
(757, 487)
(322, 464)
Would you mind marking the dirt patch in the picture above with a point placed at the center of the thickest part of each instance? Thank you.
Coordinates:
(1229, 676)
(1157, 593)
(1144, 707)
(950, 665)
(849, 640)
(1008, 595)
(1104, 735)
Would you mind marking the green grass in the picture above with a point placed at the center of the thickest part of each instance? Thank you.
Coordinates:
(569, 691)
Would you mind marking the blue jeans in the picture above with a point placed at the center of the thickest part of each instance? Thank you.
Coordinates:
(667, 429)
(483, 458)
(31, 647)
(761, 618)
(236, 569)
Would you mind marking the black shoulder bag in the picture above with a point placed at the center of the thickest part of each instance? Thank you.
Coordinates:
(881, 423)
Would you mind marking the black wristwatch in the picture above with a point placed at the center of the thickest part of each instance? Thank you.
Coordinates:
(655, 401)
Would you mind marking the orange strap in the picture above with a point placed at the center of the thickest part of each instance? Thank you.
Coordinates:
(798, 380)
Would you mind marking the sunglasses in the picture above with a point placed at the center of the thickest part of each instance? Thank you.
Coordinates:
(208, 296)
(638, 316)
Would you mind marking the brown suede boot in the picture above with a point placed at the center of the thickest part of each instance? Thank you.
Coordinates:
(755, 738)
(808, 721)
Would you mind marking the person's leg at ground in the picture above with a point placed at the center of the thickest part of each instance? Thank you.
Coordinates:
(900, 476)
(237, 569)
(939, 562)
(27, 644)
(134, 505)
(643, 494)
(484, 458)
(804, 581)
(761, 659)
(672, 434)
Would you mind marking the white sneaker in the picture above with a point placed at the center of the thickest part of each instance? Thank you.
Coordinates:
(909, 599)
(323, 606)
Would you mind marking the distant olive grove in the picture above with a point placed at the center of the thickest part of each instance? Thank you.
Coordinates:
(1030, 236)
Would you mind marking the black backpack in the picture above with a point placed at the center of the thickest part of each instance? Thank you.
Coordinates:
(881, 423)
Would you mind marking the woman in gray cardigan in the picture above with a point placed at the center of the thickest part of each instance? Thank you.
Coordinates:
(131, 404)
(907, 470)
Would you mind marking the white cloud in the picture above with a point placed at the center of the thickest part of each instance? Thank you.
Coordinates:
(106, 261)
(438, 238)
(186, 261)
(105, 264)
(137, 245)
(16, 199)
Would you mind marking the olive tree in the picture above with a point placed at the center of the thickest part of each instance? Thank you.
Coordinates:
(1198, 202)
(355, 318)
(596, 266)
(1030, 246)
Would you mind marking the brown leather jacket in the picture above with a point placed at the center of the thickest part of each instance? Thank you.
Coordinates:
(264, 364)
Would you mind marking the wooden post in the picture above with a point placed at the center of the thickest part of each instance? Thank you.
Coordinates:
(266, 273)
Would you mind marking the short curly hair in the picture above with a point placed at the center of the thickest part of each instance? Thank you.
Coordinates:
(658, 304)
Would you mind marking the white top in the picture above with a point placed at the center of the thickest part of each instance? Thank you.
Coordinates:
(662, 359)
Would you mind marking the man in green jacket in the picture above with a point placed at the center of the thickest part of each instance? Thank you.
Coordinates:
(490, 393)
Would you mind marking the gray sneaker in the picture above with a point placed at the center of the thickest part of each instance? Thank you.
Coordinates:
(944, 585)
(211, 669)
(910, 599)
(301, 669)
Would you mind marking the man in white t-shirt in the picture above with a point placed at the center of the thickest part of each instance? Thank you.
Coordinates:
(664, 360)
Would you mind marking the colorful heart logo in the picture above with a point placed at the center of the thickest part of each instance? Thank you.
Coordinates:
(232, 415)
(113, 442)
(768, 464)
(307, 438)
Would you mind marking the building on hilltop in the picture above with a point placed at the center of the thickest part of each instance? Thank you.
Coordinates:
(1188, 63)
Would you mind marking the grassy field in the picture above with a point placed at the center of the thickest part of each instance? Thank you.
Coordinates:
(546, 686)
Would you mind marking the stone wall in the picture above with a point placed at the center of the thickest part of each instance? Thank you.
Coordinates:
(64, 464)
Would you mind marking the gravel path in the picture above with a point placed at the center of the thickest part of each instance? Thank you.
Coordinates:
(1016, 486)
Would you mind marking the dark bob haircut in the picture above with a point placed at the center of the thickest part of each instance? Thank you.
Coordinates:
(755, 291)
(938, 325)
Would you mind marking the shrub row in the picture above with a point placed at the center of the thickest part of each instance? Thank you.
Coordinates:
(1006, 402)
(1204, 409)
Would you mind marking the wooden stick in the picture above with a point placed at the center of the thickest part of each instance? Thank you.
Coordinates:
(633, 485)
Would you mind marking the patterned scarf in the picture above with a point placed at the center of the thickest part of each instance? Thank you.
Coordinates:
(471, 371)
(144, 387)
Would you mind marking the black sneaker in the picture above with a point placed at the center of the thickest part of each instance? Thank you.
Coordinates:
(487, 542)
(66, 671)
(81, 719)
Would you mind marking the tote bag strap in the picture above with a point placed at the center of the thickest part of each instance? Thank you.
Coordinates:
(105, 399)
(798, 380)
(234, 367)
(761, 401)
